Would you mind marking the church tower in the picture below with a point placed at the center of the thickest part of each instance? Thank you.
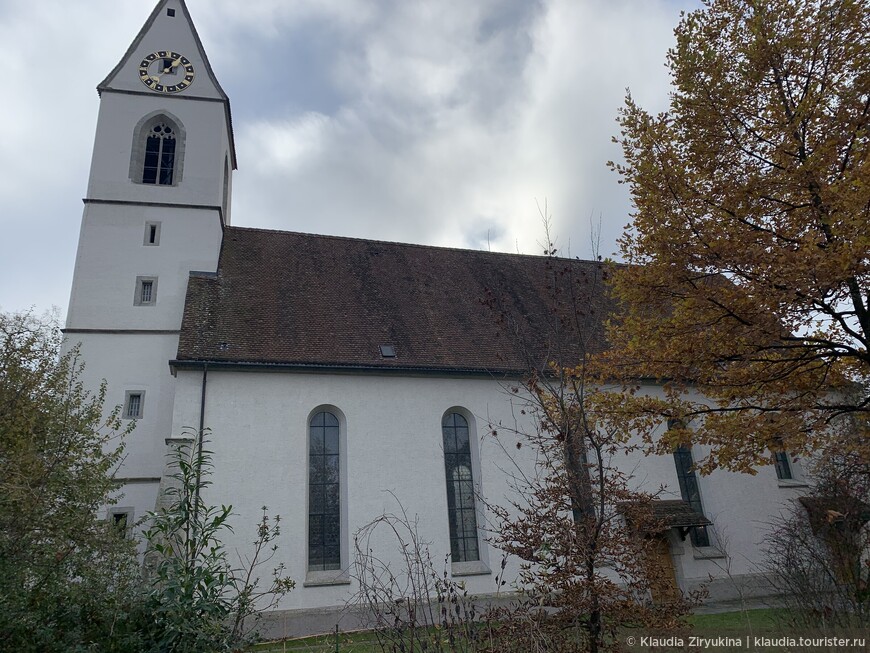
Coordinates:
(157, 200)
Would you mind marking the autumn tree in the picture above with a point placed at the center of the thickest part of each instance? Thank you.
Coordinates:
(586, 536)
(585, 533)
(749, 269)
(817, 552)
(67, 577)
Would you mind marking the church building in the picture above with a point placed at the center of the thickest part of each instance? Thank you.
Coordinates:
(337, 377)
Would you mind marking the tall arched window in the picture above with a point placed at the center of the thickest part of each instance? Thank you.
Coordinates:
(461, 508)
(689, 490)
(159, 155)
(324, 493)
(158, 151)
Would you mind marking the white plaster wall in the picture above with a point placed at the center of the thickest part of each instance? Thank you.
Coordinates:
(258, 425)
(206, 142)
(740, 506)
(140, 498)
(135, 362)
(112, 253)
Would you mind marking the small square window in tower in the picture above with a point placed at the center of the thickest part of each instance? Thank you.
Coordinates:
(152, 233)
(121, 520)
(170, 13)
(146, 291)
(134, 404)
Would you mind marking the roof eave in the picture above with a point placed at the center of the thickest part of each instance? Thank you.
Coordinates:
(345, 368)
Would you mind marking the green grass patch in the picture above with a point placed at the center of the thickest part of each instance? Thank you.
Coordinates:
(360, 642)
(764, 622)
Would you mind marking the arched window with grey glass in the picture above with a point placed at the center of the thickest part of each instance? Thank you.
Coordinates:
(689, 490)
(461, 508)
(159, 163)
(324, 492)
(157, 155)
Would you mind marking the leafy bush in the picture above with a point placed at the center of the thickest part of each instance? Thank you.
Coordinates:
(67, 579)
(198, 601)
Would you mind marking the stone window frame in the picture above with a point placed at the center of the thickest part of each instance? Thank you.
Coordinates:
(467, 567)
(128, 404)
(140, 283)
(128, 513)
(339, 576)
(146, 240)
(140, 137)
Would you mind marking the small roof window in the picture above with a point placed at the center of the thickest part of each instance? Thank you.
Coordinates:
(170, 13)
(387, 351)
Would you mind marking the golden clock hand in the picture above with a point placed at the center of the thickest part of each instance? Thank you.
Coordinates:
(167, 70)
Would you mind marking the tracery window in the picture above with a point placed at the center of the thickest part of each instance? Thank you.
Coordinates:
(159, 161)
(157, 154)
(461, 509)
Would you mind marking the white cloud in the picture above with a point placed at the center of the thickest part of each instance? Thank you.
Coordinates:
(278, 149)
(430, 122)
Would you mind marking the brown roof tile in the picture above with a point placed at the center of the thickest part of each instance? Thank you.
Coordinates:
(284, 298)
(675, 513)
(661, 514)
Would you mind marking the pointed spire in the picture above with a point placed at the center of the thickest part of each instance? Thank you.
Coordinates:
(150, 65)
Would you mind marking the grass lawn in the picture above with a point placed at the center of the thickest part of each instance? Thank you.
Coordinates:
(726, 624)
(767, 621)
(362, 642)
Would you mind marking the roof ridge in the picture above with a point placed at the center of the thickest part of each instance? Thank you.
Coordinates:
(415, 245)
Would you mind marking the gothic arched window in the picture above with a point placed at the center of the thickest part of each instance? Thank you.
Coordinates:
(158, 151)
(324, 493)
(461, 509)
(159, 161)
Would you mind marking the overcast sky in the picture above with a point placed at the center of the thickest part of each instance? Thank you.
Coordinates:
(440, 122)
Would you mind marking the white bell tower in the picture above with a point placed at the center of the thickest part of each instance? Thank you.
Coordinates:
(157, 200)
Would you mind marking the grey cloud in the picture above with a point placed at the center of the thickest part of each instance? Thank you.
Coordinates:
(439, 123)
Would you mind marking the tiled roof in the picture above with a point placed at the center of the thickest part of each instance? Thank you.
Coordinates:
(675, 513)
(283, 298)
(659, 515)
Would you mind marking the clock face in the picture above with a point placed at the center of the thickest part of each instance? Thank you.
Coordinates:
(166, 72)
